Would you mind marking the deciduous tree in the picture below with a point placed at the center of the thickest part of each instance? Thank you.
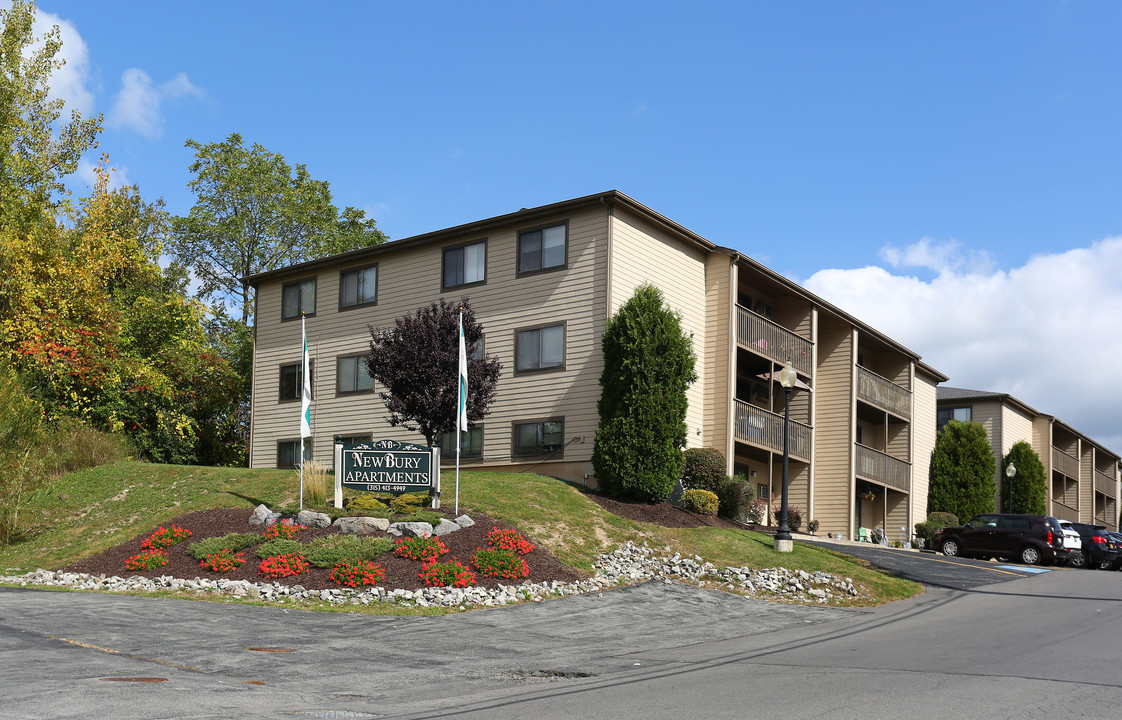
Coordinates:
(37, 150)
(254, 213)
(648, 365)
(416, 362)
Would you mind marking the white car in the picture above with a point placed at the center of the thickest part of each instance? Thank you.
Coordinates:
(1074, 544)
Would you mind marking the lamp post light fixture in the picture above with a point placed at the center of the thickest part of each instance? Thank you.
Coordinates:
(1010, 472)
(787, 378)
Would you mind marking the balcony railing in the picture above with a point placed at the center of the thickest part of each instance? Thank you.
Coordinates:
(1105, 484)
(883, 393)
(1064, 463)
(883, 468)
(760, 335)
(764, 429)
(1064, 512)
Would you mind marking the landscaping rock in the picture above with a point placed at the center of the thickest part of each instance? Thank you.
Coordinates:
(313, 519)
(464, 521)
(263, 516)
(445, 527)
(362, 525)
(410, 529)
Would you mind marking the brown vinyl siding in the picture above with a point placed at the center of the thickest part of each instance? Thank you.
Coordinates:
(718, 356)
(410, 280)
(833, 433)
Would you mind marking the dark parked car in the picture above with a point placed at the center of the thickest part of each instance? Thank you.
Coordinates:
(1032, 539)
(1100, 548)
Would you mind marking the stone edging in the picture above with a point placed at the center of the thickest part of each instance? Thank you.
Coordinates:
(627, 565)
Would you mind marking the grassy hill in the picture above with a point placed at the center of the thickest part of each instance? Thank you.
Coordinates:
(86, 512)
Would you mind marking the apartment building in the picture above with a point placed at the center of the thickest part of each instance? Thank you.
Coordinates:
(544, 282)
(1083, 475)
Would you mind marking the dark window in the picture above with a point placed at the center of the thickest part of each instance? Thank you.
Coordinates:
(358, 287)
(944, 416)
(540, 348)
(297, 298)
(1016, 523)
(536, 438)
(289, 450)
(465, 265)
(351, 375)
(471, 446)
(542, 249)
(355, 439)
(291, 381)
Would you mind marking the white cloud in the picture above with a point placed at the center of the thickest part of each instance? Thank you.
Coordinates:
(1046, 333)
(139, 102)
(69, 82)
(937, 255)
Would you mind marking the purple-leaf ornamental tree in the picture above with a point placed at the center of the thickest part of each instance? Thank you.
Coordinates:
(416, 364)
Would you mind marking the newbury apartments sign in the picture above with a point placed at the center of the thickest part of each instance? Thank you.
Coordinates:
(385, 466)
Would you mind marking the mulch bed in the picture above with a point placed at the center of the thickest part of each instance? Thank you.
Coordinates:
(400, 572)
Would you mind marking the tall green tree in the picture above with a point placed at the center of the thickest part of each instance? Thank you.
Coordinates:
(37, 149)
(648, 366)
(962, 470)
(253, 213)
(416, 361)
(1029, 485)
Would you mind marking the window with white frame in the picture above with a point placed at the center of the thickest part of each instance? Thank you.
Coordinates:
(465, 265)
(542, 249)
(358, 287)
(540, 348)
(298, 298)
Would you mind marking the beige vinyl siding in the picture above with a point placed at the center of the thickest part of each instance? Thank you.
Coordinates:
(1086, 481)
(643, 254)
(411, 279)
(924, 412)
(1016, 426)
(833, 432)
(719, 355)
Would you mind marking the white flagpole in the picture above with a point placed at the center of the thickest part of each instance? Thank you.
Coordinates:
(461, 409)
(305, 404)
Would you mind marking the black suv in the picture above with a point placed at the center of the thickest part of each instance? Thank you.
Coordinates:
(1031, 539)
(1099, 547)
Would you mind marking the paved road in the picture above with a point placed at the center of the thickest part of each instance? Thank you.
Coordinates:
(1032, 646)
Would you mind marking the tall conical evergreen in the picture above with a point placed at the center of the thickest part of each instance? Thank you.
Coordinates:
(648, 365)
(962, 469)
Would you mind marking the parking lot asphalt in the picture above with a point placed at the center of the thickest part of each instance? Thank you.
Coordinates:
(935, 569)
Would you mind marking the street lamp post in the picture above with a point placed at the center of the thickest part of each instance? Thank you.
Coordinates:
(787, 378)
(1010, 473)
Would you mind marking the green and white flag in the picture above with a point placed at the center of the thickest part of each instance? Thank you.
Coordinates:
(306, 390)
(462, 417)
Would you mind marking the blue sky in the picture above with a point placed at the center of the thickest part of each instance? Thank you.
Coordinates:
(948, 172)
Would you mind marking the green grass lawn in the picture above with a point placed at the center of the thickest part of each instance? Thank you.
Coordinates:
(85, 512)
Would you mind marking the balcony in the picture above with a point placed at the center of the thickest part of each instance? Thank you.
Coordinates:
(763, 337)
(883, 393)
(1064, 512)
(1105, 484)
(1065, 464)
(883, 468)
(764, 429)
